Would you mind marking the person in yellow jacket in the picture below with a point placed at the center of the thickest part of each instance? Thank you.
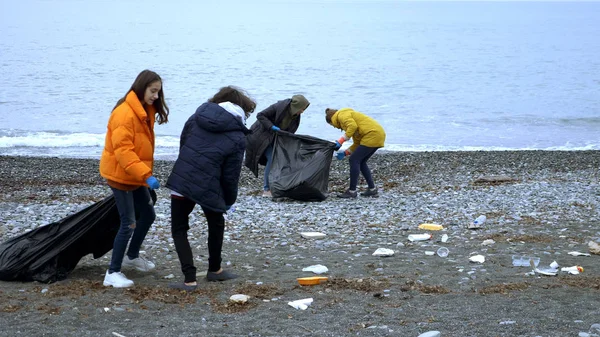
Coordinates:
(367, 136)
(126, 164)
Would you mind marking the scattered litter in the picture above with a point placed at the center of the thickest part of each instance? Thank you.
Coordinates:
(311, 281)
(431, 334)
(524, 261)
(312, 235)
(429, 253)
(419, 237)
(578, 254)
(383, 252)
(488, 242)
(594, 247)
(170, 276)
(442, 252)
(239, 298)
(507, 322)
(477, 223)
(106, 309)
(554, 265)
(431, 226)
(301, 304)
(444, 237)
(45, 290)
(543, 271)
(117, 334)
(572, 270)
(477, 258)
(317, 269)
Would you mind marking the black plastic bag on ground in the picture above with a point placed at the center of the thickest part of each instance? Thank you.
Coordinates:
(49, 253)
(300, 168)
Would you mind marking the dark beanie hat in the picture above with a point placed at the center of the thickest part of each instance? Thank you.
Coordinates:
(299, 102)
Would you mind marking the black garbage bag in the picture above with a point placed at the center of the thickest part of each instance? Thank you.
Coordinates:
(300, 168)
(49, 253)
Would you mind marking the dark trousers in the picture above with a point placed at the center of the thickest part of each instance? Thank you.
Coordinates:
(358, 163)
(180, 224)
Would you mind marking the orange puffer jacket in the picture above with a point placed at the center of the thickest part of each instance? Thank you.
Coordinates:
(128, 155)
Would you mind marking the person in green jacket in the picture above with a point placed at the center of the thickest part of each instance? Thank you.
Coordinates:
(367, 136)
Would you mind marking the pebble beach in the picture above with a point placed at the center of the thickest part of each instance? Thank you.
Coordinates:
(542, 204)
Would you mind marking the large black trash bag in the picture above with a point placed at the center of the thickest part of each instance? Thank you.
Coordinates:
(300, 168)
(49, 253)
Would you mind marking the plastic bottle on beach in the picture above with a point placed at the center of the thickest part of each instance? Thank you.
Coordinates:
(477, 223)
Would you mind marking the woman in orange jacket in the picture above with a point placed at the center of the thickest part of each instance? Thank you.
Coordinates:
(126, 164)
(367, 136)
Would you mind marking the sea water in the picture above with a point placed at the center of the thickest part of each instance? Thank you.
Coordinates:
(437, 75)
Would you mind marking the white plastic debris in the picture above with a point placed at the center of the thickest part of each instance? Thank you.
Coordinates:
(170, 276)
(554, 265)
(578, 254)
(312, 235)
(488, 242)
(239, 298)
(477, 258)
(419, 237)
(383, 252)
(575, 270)
(301, 304)
(444, 237)
(430, 334)
(317, 269)
(429, 253)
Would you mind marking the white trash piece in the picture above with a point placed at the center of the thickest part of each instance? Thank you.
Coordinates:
(477, 258)
(239, 298)
(301, 304)
(431, 334)
(383, 252)
(444, 237)
(317, 269)
(312, 235)
(578, 254)
(477, 223)
(575, 270)
(419, 237)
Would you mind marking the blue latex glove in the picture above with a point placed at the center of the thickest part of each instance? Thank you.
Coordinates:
(340, 155)
(275, 128)
(153, 183)
(337, 145)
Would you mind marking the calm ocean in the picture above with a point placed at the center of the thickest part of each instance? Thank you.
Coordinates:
(437, 75)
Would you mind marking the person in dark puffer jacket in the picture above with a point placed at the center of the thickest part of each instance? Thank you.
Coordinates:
(284, 115)
(207, 173)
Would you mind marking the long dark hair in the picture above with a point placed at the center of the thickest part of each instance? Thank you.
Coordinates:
(142, 81)
(236, 96)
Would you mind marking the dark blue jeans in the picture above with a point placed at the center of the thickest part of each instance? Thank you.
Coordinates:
(358, 163)
(269, 155)
(128, 202)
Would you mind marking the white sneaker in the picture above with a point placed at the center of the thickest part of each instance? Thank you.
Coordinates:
(267, 194)
(138, 263)
(117, 280)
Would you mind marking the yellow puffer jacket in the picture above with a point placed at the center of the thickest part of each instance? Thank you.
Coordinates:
(128, 155)
(363, 129)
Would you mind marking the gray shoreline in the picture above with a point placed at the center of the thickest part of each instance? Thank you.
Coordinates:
(538, 203)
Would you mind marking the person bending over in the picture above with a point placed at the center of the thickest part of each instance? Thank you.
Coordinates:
(283, 115)
(367, 136)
